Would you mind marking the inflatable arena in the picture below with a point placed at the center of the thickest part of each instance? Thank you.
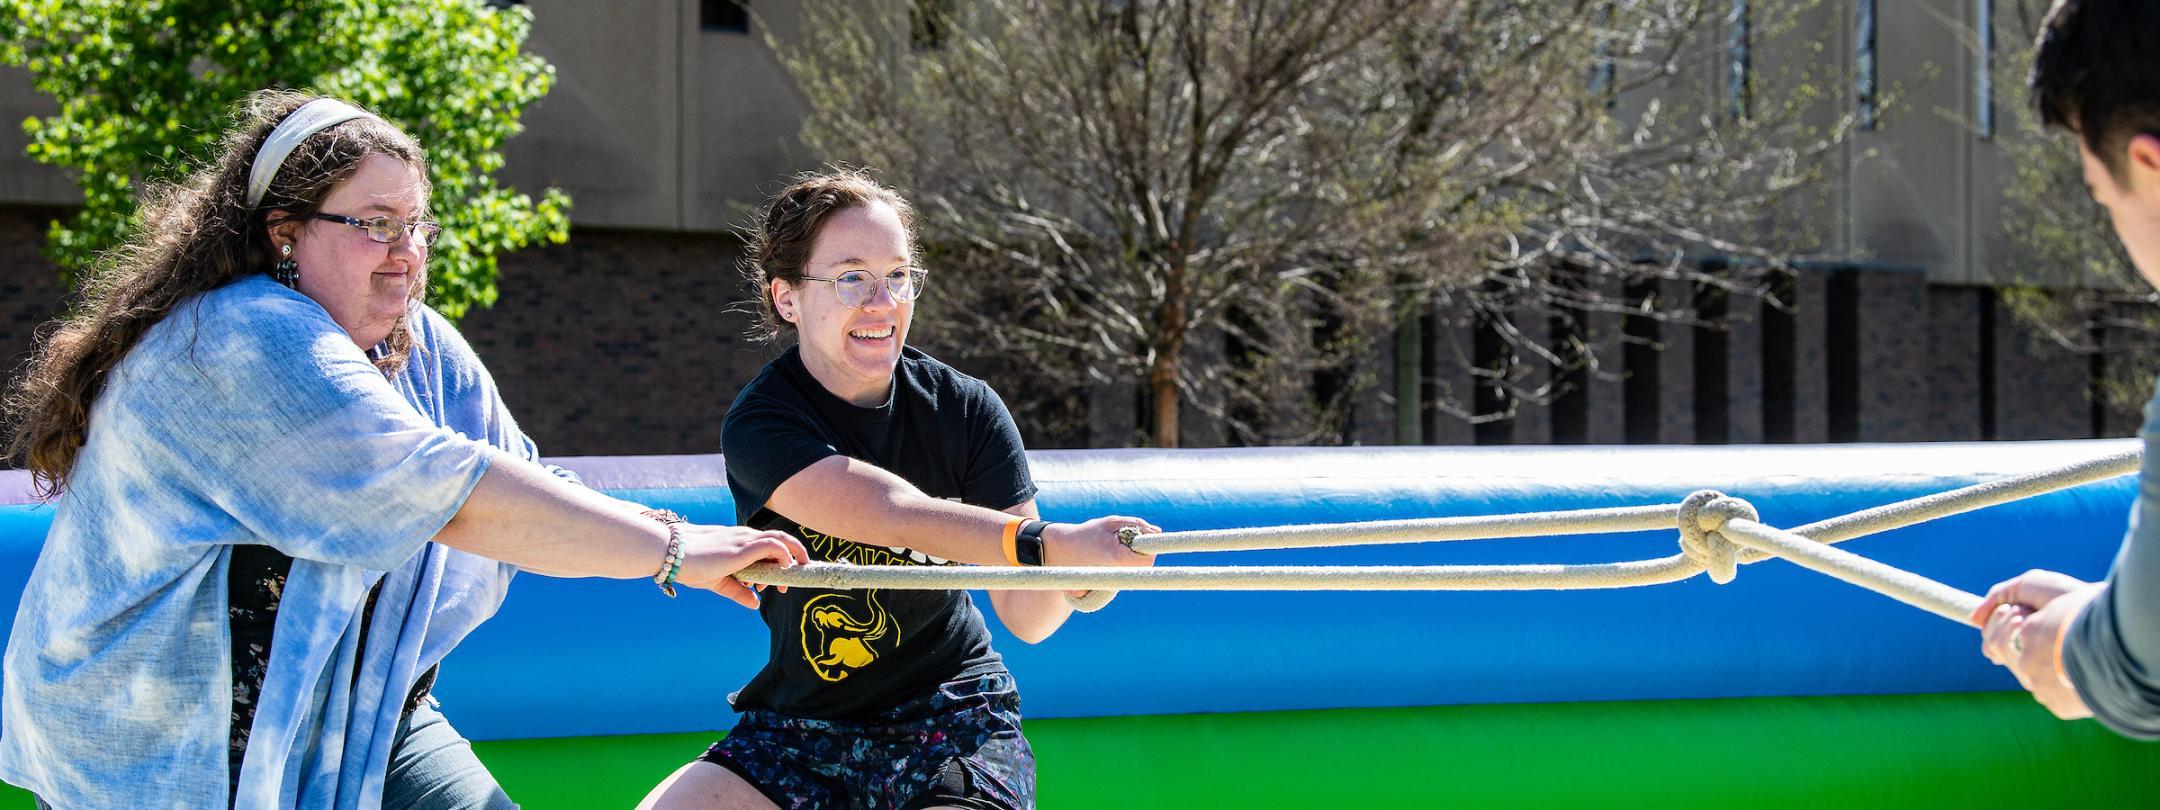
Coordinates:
(1784, 687)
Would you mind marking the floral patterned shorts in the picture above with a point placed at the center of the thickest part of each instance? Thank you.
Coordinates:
(959, 746)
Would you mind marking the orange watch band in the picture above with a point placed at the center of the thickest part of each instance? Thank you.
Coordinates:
(1012, 534)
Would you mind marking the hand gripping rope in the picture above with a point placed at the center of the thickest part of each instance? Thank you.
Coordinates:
(1718, 534)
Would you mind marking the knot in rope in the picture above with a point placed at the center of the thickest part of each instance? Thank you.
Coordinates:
(1701, 516)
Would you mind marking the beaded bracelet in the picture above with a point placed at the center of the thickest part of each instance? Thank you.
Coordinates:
(672, 565)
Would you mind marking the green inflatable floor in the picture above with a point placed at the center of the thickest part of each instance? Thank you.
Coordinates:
(1912, 751)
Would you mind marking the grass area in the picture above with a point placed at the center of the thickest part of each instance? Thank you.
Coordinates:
(1912, 751)
(1908, 751)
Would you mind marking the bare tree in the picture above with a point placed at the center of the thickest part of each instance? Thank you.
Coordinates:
(1108, 185)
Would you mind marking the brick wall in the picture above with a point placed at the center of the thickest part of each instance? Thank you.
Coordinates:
(620, 342)
(1873, 355)
(30, 287)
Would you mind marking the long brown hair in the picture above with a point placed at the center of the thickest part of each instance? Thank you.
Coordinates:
(190, 237)
(779, 244)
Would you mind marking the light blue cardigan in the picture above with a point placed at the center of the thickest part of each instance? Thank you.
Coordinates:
(248, 416)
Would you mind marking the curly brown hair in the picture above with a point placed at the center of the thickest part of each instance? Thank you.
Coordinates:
(191, 237)
(780, 243)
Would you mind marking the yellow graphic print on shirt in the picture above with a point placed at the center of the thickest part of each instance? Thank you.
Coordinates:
(841, 632)
(836, 639)
(828, 548)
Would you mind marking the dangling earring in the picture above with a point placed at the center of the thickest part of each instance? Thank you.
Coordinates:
(287, 271)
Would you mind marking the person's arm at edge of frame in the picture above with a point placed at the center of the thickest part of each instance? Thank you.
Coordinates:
(2082, 648)
(2091, 649)
(2110, 647)
(2023, 622)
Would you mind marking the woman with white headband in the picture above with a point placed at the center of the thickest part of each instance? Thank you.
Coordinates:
(289, 489)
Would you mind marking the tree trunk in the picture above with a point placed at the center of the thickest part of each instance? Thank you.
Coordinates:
(1169, 347)
(1163, 397)
(1409, 376)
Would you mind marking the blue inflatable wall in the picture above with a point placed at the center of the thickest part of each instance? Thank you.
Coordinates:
(571, 658)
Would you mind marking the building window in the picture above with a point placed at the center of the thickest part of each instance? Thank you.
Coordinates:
(1864, 63)
(927, 23)
(1984, 68)
(1740, 66)
(724, 15)
(1642, 338)
(1602, 73)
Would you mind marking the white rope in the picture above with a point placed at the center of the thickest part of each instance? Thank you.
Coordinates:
(1978, 496)
(1717, 534)
(1904, 586)
(1423, 530)
(840, 576)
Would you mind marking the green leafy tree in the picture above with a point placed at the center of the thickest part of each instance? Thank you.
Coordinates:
(146, 87)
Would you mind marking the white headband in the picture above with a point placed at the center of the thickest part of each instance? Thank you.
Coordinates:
(312, 117)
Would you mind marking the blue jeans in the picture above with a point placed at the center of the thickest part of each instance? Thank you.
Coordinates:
(432, 767)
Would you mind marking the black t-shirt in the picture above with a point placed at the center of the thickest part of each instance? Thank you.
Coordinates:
(846, 655)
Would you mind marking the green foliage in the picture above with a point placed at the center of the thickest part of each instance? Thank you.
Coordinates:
(146, 86)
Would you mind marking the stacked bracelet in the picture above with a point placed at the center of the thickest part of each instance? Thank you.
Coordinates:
(671, 566)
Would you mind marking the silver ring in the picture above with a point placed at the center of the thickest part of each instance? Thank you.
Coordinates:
(2017, 641)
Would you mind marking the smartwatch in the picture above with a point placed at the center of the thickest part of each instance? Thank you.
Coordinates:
(1028, 543)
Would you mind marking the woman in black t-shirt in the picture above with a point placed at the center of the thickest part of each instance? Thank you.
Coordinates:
(877, 454)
